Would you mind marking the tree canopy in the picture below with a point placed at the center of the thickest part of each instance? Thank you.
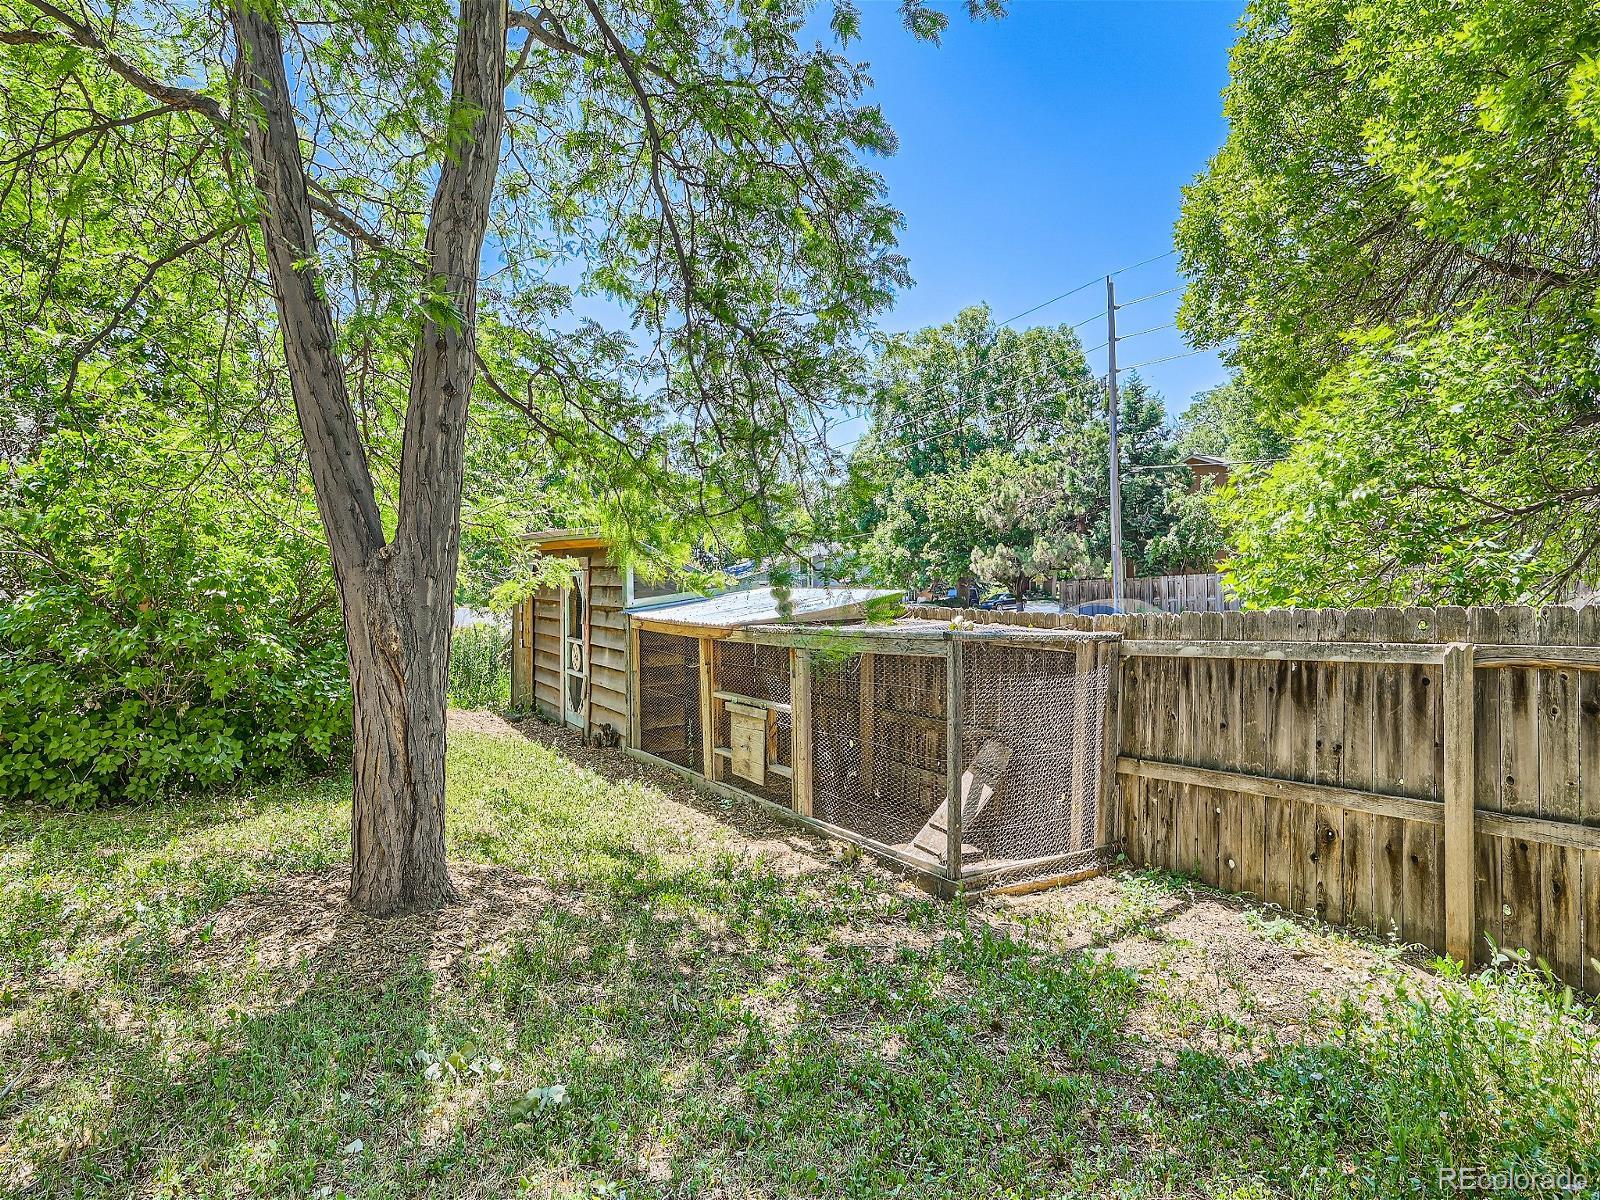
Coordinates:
(987, 456)
(1399, 248)
(646, 238)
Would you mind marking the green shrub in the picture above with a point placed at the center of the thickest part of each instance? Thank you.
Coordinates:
(480, 667)
(169, 624)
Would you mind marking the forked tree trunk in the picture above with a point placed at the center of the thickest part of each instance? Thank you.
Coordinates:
(398, 594)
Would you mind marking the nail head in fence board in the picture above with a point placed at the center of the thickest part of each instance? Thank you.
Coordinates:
(1459, 781)
(954, 701)
(800, 727)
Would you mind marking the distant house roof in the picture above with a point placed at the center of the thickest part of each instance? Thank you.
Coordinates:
(1203, 460)
(759, 606)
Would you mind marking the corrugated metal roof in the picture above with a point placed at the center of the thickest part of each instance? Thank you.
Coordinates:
(758, 606)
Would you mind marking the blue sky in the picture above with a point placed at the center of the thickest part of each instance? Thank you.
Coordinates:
(1045, 149)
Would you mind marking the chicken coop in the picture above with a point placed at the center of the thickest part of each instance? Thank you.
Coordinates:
(976, 759)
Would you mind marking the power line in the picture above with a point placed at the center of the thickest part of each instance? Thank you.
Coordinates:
(1122, 337)
(1151, 296)
(1085, 286)
(1028, 312)
(1150, 362)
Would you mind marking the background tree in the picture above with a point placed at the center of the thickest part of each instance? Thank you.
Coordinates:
(1015, 513)
(692, 167)
(1404, 186)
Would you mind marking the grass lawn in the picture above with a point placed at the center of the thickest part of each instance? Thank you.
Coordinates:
(644, 993)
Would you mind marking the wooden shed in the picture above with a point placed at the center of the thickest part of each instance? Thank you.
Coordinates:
(569, 644)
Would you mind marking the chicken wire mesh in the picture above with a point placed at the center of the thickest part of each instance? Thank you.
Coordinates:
(878, 751)
(753, 678)
(1029, 767)
(1033, 752)
(668, 697)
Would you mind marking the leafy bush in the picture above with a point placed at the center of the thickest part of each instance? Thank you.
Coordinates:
(169, 624)
(480, 666)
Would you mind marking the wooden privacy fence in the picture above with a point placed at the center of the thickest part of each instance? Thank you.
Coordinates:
(1433, 774)
(1169, 593)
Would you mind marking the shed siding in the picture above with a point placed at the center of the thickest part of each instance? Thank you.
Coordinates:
(547, 652)
(608, 639)
(537, 650)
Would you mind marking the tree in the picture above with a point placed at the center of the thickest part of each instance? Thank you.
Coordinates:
(1400, 184)
(1018, 515)
(692, 165)
(946, 394)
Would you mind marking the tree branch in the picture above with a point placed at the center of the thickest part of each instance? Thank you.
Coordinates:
(168, 94)
(551, 35)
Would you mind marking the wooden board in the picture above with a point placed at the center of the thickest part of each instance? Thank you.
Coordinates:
(748, 741)
(980, 783)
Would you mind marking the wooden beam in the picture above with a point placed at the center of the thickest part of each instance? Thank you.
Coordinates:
(1538, 829)
(955, 833)
(633, 685)
(1460, 761)
(1108, 828)
(708, 728)
(1582, 658)
(933, 644)
(867, 720)
(1348, 652)
(800, 728)
(753, 701)
(1284, 789)
(1485, 821)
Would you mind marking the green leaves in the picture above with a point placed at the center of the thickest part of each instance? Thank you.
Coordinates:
(1403, 188)
(988, 457)
(165, 631)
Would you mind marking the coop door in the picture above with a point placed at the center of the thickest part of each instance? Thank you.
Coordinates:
(749, 732)
(575, 648)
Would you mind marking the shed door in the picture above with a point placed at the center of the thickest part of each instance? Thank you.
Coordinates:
(575, 649)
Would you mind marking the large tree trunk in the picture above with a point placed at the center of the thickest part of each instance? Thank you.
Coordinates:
(399, 595)
(399, 668)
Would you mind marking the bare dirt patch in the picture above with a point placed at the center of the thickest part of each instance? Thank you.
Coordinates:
(1221, 971)
(302, 926)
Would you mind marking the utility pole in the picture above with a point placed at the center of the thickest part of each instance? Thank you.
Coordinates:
(1112, 415)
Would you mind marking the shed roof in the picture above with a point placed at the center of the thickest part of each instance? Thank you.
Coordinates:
(558, 541)
(759, 606)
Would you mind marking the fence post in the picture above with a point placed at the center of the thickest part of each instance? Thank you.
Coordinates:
(955, 835)
(800, 727)
(1460, 752)
(1110, 815)
(708, 709)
